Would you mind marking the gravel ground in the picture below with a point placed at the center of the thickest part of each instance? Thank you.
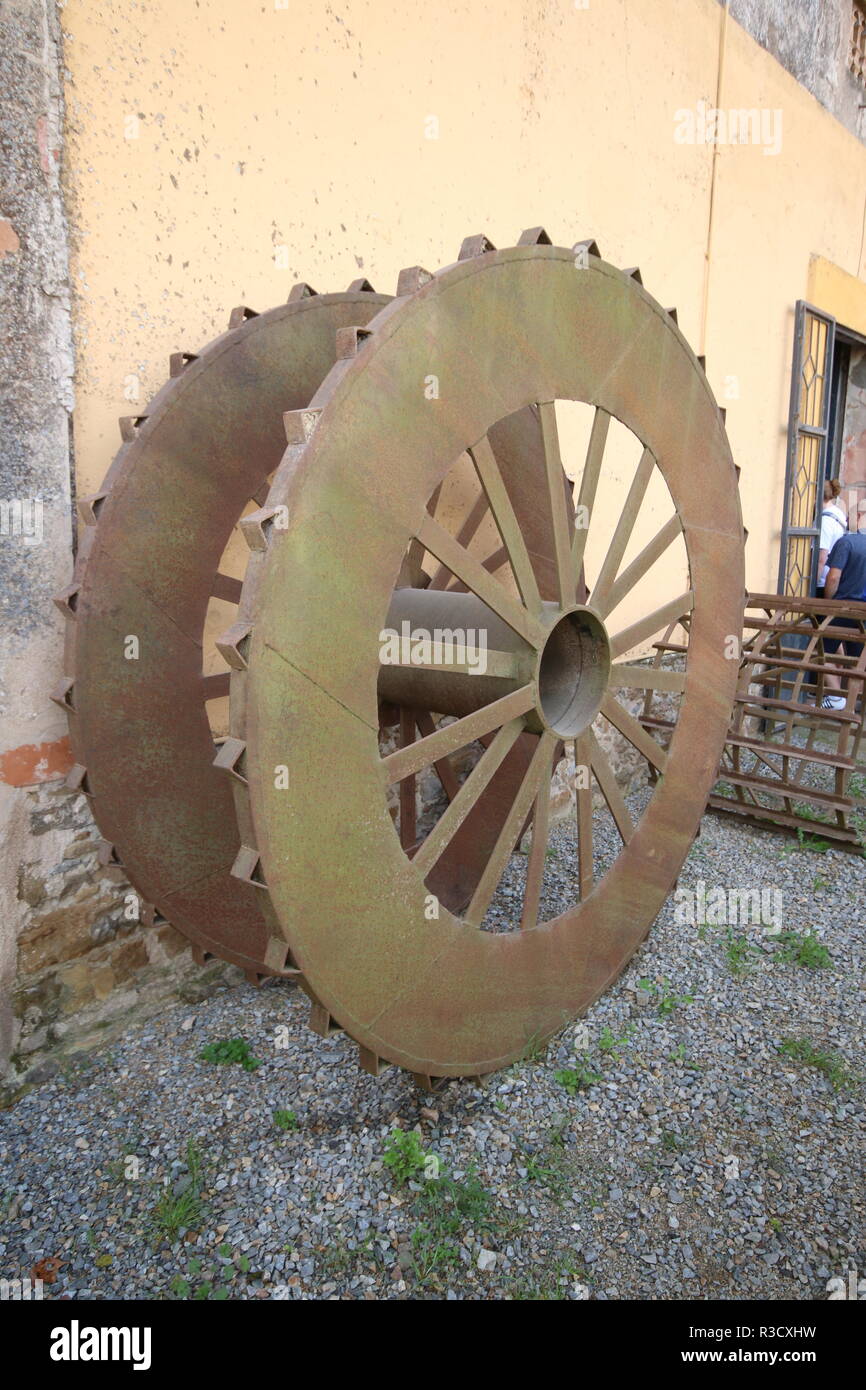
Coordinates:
(663, 1148)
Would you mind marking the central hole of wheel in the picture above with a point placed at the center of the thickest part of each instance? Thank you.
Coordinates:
(573, 673)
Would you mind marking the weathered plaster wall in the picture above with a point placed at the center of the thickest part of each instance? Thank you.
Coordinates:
(35, 405)
(65, 946)
(811, 39)
(219, 153)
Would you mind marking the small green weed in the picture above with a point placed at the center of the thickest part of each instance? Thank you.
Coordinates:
(404, 1156)
(822, 1059)
(666, 1000)
(230, 1052)
(612, 1045)
(803, 948)
(577, 1078)
(740, 952)
(285, 1119)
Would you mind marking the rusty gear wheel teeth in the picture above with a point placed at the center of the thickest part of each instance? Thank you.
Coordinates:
(89, 509)
(234, 644)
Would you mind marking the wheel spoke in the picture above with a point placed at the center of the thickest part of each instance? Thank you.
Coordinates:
(415, 552)
(634, 732)
(504, 515)
(465, 566)
(511, 828)
(646, 627)
(538, 850)
(585, 872)
(493, 563)
(610, 789)
(588, 486)
(638, 568)
(624, 527)
(467, 796)
(465, 535)
(408, 809)
(625, 677)
(427, 750)
(444, 771)
(562, 541)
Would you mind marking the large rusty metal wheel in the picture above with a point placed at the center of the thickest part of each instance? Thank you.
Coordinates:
(500, 332)
(148, 566)
(148, 569)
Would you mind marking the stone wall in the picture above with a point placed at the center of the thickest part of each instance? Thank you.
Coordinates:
(811, 38)
(70, 964)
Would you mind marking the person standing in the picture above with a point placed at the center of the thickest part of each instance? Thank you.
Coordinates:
(834, 524)
(846, 579)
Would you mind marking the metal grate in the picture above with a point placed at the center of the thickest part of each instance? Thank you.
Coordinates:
(857, 51)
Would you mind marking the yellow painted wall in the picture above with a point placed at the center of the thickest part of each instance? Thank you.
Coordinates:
(306, 127)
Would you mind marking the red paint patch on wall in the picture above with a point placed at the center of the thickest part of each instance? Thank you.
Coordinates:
(9, 242)
(35, 762)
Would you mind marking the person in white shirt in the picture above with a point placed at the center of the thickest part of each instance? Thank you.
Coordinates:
(834, 523)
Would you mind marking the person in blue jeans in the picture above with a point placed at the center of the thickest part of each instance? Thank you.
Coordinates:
(846, 579)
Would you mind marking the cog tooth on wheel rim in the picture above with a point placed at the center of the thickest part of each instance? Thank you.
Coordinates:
(349, 341)
(240, 314)
(129, 426)
(229, 759)
(723, 411)
(672, 314)
(152, 917)
(369, 1062)
(412, 279)
(62, 694)
(702, 362)
(256, 528)
(321, 1021)
(90, 507)
(179, 361)
(299, 424)
(226, 587)
(248, 867)
(67, 600)
(301, 291)
(76, 780)
(534, 236)
(633, 273)
(361, 286)
(216, 686)
(277, 956)
(107, 856)
(586, 248)
(234, 645)
(430, 1084)
(473, 246)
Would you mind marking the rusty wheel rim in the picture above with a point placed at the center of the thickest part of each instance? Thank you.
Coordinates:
(147, 567)
(440, 997)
